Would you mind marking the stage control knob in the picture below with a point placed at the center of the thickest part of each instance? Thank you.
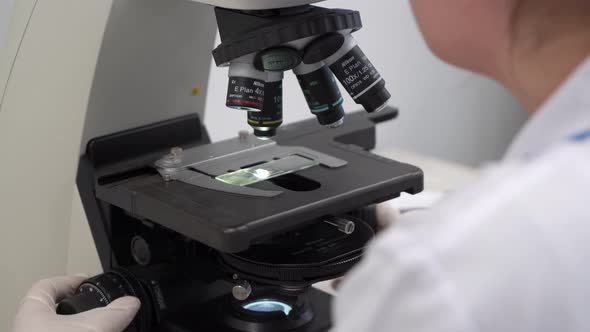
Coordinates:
(79, 303)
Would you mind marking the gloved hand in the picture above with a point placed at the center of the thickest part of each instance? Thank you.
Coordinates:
(387, 215)
(37, 310)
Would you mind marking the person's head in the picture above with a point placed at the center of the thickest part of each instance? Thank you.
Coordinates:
(509, 40)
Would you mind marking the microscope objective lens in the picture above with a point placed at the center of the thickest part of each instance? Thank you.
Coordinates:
(361, 79)
(322, 94)
(247, 85)
(266, 122)
(342, 54)
(246, 94)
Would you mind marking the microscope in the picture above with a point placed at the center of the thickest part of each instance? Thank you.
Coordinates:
(315, 43)
(232, 236)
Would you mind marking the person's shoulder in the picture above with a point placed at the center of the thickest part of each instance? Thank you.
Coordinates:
(515, 238)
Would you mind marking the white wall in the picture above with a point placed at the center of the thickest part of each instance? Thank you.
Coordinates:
(446, 112)
(5, 12)
(41, 120)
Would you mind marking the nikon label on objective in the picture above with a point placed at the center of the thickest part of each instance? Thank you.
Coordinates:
(245, 93)
(356, 73)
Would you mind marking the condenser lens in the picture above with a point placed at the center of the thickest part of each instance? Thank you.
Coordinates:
(268, 305)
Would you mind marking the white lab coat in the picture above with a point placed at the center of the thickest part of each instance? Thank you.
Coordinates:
(508, 253)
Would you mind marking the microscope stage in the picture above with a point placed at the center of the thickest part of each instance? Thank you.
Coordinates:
(344, 177)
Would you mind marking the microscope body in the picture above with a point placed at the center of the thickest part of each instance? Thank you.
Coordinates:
(111, 87)
(203, 253)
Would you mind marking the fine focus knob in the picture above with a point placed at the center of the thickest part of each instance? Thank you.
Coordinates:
(79, 303)
(103, 289)
(95, 293)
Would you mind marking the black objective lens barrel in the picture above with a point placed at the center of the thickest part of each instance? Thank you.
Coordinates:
(266, 122)
(322, 93)
(358, 76)
(95, 292)
(246, 87)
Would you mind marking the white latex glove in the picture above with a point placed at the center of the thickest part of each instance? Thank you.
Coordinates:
(37, 310)
(387, 215)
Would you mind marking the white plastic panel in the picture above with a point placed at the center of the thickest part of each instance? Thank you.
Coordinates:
(5, 14)
(52, 48)
(256, 4)
(154, 69)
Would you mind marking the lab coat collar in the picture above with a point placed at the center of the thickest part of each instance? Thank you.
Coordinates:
(565, 114)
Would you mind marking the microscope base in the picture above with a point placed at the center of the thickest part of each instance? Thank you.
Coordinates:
(209, 319)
